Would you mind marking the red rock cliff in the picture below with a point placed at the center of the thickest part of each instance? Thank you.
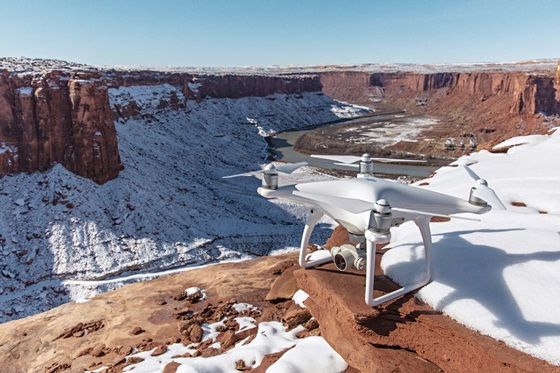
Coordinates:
(56, 119)
(527, 93)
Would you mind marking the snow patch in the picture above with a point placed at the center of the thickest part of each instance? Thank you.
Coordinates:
(312, 354)
(499, 276)
(299, 297)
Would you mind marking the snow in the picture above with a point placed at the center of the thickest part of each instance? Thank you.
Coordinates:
(147, 97)
(210, 330)
(499, 276)
(299, 297)
(25, 91)
(7, 148)
(520, 140)
(194, 86)
(243, 307)
(312, 354)
(193, 290)
(271, 337)
(168, 210)
(245, 323)
(346, 110)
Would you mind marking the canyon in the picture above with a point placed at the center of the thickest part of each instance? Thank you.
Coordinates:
(114, 176)
(57, 112)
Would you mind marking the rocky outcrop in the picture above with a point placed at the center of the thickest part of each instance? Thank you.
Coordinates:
(55, 118)
(402, 336)
(237, 86)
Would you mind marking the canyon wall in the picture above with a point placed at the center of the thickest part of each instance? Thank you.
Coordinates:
(64, 116)
(487, 106)
(528, 94)
(54, 118)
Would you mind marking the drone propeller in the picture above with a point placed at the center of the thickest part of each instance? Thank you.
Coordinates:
(286, 168)
(357, 206)
(345, 160)
(483, 191)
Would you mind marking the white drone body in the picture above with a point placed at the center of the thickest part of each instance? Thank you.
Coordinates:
(368, 207)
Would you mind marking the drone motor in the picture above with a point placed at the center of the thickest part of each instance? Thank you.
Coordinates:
(366, 166)
(270, 177)
(381, 218)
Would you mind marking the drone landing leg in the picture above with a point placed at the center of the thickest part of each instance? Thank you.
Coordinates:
(424, 226)
(312, 220)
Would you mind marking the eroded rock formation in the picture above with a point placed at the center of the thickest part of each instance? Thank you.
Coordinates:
(56, 118)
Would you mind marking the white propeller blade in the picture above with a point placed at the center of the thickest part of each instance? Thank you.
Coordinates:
(471, 173)
(286, 168)
(487, 194)
(398, 160)
(348, 159)
(416, 212)
(338, 158)
(351, 165)
(252, 173)
(484, 192)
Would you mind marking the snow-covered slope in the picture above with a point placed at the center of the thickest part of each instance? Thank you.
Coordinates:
(169, 207)
(500, 276)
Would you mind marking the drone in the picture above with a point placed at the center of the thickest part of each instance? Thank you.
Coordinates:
(368, 207)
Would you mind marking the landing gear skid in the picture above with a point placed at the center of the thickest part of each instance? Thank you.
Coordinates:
(312, 220)
(372, 239)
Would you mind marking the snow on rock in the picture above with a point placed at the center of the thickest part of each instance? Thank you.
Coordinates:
(499, 276)
(210, 331)
(299, 297)
(147, 97)
(271, 337)
(169, 208)
(195, 290)
(243, 307)
(245, 322)
(25, 91)
(346, 110)
(312, 354)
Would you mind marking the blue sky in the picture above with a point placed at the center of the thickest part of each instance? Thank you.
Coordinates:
(260, 32)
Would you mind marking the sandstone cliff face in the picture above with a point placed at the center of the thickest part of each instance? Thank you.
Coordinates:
(64, 116)
(56, 119)
(237, 86)
(492, 106)
(528, 94)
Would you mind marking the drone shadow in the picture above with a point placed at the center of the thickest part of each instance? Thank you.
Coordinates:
(476, 272)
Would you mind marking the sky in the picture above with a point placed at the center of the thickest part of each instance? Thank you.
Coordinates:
(287, 32)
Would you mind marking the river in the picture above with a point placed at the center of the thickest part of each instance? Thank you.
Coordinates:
(383, 129)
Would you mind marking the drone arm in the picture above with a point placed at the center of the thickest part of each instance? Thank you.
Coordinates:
(312, 220)
(372, 239)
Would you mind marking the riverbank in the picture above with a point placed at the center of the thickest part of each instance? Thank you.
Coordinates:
(374, 133)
